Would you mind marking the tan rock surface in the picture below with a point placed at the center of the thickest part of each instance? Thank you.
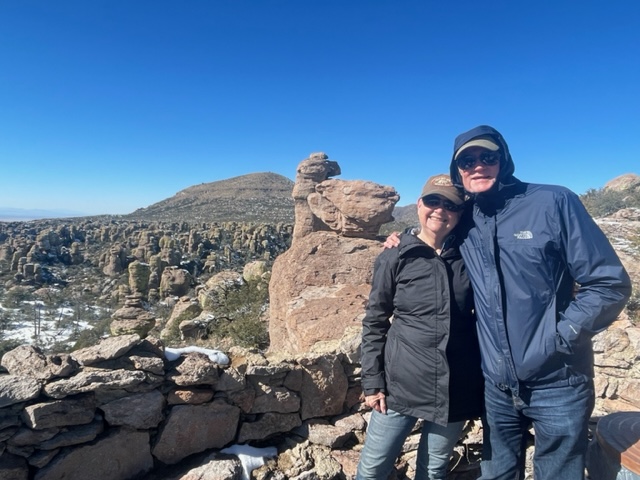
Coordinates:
(628, 181)
(309, 173)
(318, 289)
(175, 281)
(354, 208)
(191, 429)
(320, 286)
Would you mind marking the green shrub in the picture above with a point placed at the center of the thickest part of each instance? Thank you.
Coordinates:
(6, 320)
(15, 296)
(603, 202)
(239, 319)
(633, 308)
(91, 336)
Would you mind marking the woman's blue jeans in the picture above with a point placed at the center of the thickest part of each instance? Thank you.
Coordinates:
(560, 419)
(386, 435)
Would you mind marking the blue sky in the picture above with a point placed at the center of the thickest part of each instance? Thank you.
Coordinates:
(109, 106)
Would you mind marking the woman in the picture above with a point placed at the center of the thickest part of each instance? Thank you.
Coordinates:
(425, 364)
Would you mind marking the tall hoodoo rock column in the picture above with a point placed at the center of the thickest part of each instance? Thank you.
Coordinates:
(320, 286)
(310, 173)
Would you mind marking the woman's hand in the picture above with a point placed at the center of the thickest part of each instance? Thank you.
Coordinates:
(377, 401)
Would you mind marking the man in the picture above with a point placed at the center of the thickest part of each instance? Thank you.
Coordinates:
(527, 247)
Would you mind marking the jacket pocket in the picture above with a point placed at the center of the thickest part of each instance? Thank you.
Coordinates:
(561, 345)
(556, 344)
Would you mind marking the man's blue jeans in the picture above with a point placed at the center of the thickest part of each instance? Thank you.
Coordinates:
(386, 435)
(560, 419)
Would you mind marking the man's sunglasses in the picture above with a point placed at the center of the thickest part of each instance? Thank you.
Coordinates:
(437, 202)
(489, 159)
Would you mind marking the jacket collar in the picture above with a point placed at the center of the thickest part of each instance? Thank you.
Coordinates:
(410, 242)
(495, 200)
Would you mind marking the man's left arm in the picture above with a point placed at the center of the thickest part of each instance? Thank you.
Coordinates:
(604, 284)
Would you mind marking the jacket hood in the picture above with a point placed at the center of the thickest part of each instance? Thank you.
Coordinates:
(507, 167)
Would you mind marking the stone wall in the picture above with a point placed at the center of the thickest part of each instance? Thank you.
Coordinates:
(124, 409)
(120, 409)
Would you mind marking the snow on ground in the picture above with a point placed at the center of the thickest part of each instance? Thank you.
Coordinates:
(215, 356)
(250, 457)
(35, 324)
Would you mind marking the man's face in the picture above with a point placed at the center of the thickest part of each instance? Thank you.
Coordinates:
(478, 176)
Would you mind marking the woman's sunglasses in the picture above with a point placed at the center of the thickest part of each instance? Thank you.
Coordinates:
(437, 202)
(489, 159)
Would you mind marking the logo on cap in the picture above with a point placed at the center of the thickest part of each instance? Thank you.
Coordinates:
(442, 181)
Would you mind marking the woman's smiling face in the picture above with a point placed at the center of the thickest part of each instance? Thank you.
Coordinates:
(437, 219)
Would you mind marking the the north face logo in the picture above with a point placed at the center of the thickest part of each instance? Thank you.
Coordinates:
(523, 235)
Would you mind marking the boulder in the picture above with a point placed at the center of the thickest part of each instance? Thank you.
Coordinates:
(628, 181)
(107, 349)
(318, 289)
(309, 173)
(17, 389)
(192, 429)
(255, 271)
(175, 282)
(29, 361)
(122, 453)
(185, 309)
(353, 208)
(139, 277)
(132, 318)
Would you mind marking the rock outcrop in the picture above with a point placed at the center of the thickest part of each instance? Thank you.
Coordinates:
(116, 258)
(175, 282)
(617, 349)
(353, 208)
(310, 173)
(626, 182)
(319, 287)
(132, 318)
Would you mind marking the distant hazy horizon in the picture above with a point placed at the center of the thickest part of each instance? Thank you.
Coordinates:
(11, 214)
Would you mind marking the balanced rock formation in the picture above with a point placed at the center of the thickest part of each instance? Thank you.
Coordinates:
(320, 286)
(310, 173)
(132, 318)
(354, 208)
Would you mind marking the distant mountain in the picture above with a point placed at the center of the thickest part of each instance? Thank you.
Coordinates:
(266, 198)
(9, 214)
(255, 197)
(406, 214)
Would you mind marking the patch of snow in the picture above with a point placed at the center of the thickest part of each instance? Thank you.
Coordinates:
(42, 327)
(250, 457)
(215, 356)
